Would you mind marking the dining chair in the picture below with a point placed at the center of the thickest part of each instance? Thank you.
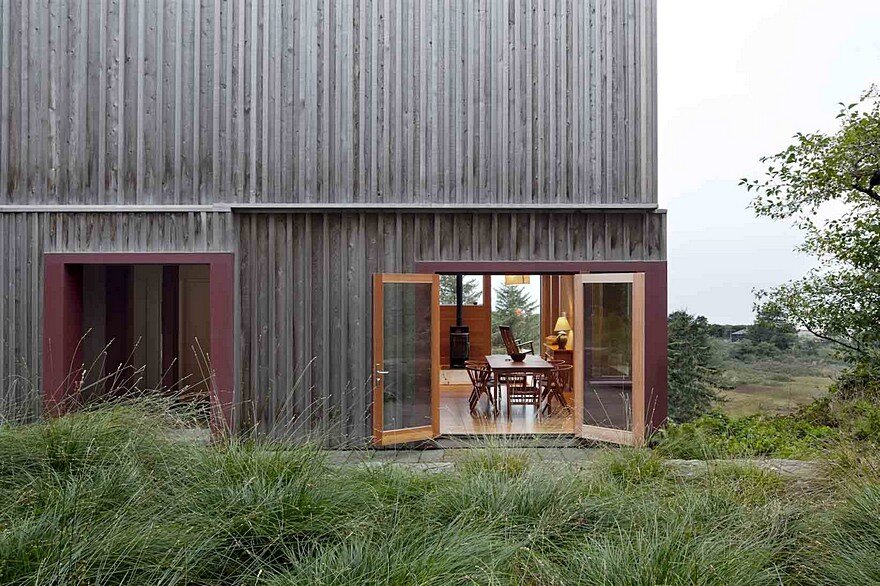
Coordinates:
(490, 383)
(479, 373)
(514, 345)
(541, 378)
(557, 382)
(520, 392)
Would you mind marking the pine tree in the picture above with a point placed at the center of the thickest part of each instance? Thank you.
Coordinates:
(693, 370)
(515, 308)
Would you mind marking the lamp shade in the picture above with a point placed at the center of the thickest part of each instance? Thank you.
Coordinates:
(516, 279)
(562, 324)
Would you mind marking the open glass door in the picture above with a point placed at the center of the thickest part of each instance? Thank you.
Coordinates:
(609, 357)
(406, 358)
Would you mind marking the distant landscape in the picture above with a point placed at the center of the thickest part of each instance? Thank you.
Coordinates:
(776, 383)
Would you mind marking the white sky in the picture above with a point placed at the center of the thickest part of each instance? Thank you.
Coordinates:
(736, 80)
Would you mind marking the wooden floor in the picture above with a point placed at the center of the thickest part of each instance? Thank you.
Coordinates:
(455, 417)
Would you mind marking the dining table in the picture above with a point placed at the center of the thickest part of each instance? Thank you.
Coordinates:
(503, 364)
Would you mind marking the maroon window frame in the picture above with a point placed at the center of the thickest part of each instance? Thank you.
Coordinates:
(63, 315)
(656, 324)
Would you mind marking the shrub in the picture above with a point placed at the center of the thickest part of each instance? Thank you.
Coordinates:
(716, 435)
(108, 498)
(509, 463)
(859, 382)
(743, 483)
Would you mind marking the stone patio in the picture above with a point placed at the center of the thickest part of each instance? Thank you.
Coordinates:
(445, 459)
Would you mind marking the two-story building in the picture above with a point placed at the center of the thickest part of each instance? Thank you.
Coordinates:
(258, 196)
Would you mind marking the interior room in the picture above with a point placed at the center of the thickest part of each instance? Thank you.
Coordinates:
(474, 398)
(146, 328)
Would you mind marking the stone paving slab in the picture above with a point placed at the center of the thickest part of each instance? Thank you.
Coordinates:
(795, 469)
(561, 455)
(432, 461)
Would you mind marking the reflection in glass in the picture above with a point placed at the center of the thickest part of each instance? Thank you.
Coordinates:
(407, 355)
(608, 355)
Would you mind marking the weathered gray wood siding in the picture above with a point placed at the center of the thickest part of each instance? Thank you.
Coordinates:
(306, 295)
(304, 292)
(188, 101)
(24, 237)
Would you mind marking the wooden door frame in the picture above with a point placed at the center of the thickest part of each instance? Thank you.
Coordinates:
(389, 437)
(63, 313)
(656, 332)
(638, 434)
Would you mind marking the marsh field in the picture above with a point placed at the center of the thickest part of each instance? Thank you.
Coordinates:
(114, 496)
(774, 384)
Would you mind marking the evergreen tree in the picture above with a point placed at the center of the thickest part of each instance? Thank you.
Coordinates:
(771, 327)
(516, 308)
(693, 370)
(472, 291)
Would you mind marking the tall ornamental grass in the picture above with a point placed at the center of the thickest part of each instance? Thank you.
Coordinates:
(109, 496)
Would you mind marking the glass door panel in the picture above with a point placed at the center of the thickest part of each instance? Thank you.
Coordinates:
(609, 357)
(406, 348)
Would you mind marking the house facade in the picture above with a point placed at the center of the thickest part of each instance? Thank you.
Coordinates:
(243, 174)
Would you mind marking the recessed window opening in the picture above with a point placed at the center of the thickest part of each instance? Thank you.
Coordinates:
(146, 329)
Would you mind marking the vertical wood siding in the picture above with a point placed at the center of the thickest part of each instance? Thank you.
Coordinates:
(24, 237)
(306, 296)
(453, 101)
(303, 322)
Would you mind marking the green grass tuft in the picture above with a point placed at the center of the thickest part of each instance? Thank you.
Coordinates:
(109, 497)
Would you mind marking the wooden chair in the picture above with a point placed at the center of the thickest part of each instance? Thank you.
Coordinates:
(542, 378)
(557, 382)
(513, 345)
(479, 373)
(520, 392)
(528, 347)
(490, 383)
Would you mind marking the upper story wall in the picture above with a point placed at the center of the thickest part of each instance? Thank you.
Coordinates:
(309, 101)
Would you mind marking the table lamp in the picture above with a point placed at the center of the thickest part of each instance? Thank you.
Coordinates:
(561, 328)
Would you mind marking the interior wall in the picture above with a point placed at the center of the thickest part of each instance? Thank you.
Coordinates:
(566, 303)
(94, 330)
(145, 335)
(194, 319)
(146, 327)
(478, 318)
(557, 297)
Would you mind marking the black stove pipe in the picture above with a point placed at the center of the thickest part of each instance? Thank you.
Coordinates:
(459, 301)
(459, 338)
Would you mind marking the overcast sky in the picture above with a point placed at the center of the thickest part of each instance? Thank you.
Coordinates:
(736, 81)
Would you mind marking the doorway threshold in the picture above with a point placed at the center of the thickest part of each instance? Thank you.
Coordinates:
(515, 440)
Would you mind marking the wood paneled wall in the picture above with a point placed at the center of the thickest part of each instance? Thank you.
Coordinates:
(452, 101)
(303, 325)
(24, 237)
(306, 295)
(478, 318)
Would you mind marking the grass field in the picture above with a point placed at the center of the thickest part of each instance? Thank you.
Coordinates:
(108, 497)
(780, 398)
(773, 385)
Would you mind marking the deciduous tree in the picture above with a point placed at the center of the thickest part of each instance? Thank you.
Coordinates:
(828, 184)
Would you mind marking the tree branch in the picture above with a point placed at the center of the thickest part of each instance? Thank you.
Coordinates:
(867, 191)
(835, 341)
